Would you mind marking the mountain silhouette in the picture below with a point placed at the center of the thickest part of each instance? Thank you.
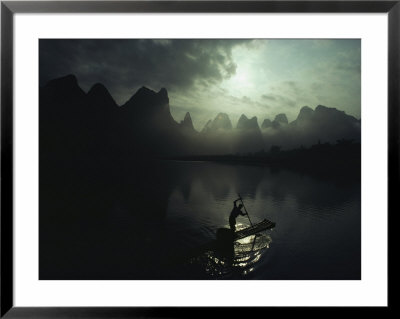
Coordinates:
(323, 124)
(326, 124)
(63, 111)
(247, 124)
(147, 105)
(305, 114)
(281, 118)
(248, 135)
(65, 88)
(220, 123)
(266, 124)
(187, 123)
(75, 124)
(99, 96)
(323, 115)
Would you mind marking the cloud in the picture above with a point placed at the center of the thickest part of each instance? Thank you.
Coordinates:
(285, 95)
(124, 65)
(280, 100)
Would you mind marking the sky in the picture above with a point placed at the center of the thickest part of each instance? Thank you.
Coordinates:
(260, 77)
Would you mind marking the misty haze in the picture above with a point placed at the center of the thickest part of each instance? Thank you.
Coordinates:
(199, 159)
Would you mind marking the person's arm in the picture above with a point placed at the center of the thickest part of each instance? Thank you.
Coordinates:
(243, 214)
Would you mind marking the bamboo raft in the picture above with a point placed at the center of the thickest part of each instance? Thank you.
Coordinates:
(252, 230)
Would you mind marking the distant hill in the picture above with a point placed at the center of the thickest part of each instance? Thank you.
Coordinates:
(323, 124)
(187, 123)
(220, 123)
(248, 137)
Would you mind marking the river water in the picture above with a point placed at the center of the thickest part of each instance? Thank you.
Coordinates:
(159, 221)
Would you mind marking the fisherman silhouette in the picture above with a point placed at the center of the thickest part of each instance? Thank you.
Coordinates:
(236, 211)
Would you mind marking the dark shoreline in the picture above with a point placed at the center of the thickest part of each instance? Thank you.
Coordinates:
(339, 162)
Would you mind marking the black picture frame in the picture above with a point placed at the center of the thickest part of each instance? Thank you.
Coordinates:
(9, 8)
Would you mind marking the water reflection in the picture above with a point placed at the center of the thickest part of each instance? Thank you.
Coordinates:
(229, 259)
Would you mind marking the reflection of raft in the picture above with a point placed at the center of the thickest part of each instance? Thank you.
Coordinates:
(233, 254)
(226, 235)
(252, 230)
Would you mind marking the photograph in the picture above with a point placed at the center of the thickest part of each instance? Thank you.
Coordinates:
(199, 159)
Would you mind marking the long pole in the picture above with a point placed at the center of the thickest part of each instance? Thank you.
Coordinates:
(240, 197)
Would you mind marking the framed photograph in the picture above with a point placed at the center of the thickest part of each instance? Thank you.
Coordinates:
(165, 157)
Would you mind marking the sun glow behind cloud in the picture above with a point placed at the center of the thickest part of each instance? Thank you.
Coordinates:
(281, 76)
